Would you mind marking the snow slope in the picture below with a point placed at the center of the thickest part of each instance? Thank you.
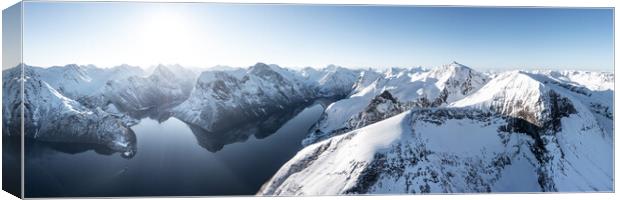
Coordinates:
(420, 151)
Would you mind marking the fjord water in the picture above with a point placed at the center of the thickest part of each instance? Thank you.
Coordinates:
(169, 162)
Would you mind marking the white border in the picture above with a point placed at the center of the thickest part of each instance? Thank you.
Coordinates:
(547, 3)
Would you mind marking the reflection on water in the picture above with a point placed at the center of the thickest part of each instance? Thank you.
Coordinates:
(215, 141)
(174, 159)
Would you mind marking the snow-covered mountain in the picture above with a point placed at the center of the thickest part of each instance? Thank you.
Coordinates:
(523, 94)
(51, 116)
(414, 87)
(521, 131)
(166, 86)
(220, 100)
(11, 101)
(79, 81)
(332, 81)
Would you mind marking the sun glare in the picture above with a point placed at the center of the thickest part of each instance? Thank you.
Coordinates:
(166, 37)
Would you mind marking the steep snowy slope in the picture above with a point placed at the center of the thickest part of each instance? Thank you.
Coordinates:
(520, 132)
(414, 87)
(220, 101)
(50, 116)
(431, 150)
(594, 89)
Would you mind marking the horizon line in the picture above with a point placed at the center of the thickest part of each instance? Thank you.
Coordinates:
(499, 69)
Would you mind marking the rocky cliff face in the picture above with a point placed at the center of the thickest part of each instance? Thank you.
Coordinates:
(381, 107)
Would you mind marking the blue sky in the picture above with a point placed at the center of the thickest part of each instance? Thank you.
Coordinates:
(11, 36)
(108, 34)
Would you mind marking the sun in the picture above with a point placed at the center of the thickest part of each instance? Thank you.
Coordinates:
(166, 37)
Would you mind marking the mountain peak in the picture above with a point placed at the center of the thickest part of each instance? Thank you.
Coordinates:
(72, 66)
(457, 65)
(453, 70)
(393, 71)
(170, 71)
(124, 67)
(332, 67)
(387, 96)
(512, 93)
(162, 69)
(259, 67)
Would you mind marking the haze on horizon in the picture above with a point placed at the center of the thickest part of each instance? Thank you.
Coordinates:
(207, 34)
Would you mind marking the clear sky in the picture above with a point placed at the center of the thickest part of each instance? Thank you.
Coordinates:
(190, 34)
(11, 37)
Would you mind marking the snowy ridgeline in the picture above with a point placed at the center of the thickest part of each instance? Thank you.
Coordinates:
(415, 130)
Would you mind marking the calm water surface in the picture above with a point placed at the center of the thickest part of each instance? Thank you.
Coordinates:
(169, 161)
